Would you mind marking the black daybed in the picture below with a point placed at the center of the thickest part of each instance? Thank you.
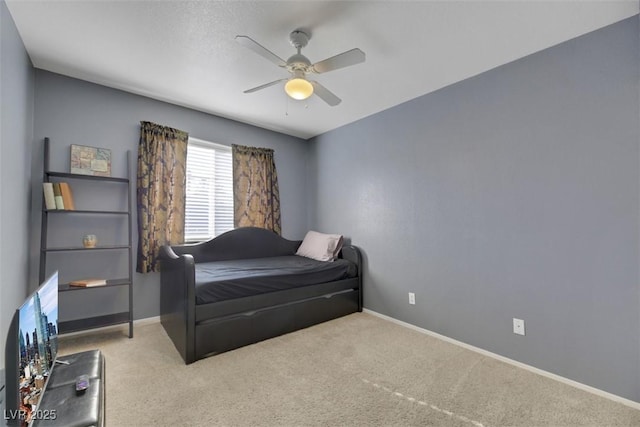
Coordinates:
(248, 285)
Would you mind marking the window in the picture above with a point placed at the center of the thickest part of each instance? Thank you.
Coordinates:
(209, 204)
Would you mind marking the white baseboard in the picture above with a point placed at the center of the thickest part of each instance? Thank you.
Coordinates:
(138, 322)
(146, 321)
(587, 388)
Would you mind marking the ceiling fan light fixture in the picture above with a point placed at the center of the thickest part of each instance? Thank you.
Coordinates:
(298, 88)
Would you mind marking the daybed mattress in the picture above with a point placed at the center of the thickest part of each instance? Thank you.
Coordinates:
(224, 280)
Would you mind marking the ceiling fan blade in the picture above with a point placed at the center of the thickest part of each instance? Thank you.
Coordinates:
(261, 50)
(325, 94)
(264, 86)
(341, 60)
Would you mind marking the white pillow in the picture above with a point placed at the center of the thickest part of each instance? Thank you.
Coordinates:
(319, 246)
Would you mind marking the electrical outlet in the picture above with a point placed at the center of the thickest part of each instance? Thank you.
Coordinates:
(518, 326)
(412, 298)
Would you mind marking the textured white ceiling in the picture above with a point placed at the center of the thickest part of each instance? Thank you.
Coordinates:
(184, 52)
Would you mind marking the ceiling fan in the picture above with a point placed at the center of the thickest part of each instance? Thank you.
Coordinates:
(298, 86)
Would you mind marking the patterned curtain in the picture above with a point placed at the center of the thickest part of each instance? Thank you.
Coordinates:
(162, 155)
(256, 199)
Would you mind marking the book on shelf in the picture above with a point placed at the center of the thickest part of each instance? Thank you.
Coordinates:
(87, 283)
(49, 200)
(57, 196)
(67, 196)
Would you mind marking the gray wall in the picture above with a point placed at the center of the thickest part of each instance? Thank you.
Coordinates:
(16, 135)
(511, 194)
(71, 111)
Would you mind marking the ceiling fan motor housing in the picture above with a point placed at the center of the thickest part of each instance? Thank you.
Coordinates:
(298, 62)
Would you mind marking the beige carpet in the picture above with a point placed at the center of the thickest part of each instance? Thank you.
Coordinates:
(359, 370)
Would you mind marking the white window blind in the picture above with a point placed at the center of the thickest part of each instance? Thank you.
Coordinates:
(209, 204)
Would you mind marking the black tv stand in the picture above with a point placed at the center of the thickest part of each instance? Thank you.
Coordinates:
(61, 405)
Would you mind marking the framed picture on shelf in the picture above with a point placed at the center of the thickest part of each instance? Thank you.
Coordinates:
(90, 160)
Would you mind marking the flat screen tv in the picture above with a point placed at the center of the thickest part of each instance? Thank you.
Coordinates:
(31, 348)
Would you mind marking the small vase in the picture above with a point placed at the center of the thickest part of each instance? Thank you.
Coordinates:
(89, 241)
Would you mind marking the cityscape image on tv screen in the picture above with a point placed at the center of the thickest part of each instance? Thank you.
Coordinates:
(38, 343)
